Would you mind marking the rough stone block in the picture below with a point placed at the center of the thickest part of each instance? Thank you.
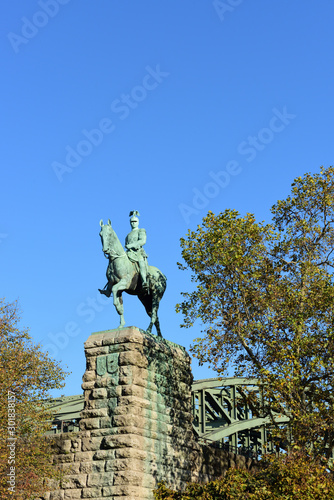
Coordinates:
(101, 432)
(96, 351)
(59, 459)
(75, 481)
(57, 495)
(100, 393)
(76, 444)
(126, 492)
(92, 443)
(126, 464)
(135, 390)
(94, 412)
(69, 468)
(129, 374)
(106, 381)
(129, 419)
(95, 466)
(92, 493)
(130, 477)
(95, 340)
(99, 403)
(110, 341)
(88, 395)
(132, 358)
(88, 385)
(124, 409)
(133, 453)
(105, 422)
(84, 456)
(100, 479)
(72, 494)
(130, 334)
(89, 423)
(134, 401)
(89, 375)
(112, 403)
(62, 443)
(91, 364)
(104, 455)
(123, 441)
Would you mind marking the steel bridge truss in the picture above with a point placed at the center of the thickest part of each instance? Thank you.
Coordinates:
(222, 416)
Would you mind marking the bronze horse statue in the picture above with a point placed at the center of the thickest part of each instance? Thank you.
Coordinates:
(123, 276)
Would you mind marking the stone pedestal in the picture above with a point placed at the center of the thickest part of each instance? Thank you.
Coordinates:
(137, 412)
(136, 427)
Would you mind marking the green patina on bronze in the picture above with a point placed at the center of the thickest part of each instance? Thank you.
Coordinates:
(107, 364)
(128, 271)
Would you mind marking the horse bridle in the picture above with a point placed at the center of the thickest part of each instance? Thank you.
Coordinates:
(113, 256)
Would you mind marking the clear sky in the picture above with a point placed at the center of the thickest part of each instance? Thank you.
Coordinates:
(171, 108)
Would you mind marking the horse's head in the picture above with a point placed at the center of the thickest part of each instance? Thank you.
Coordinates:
(111, 245)
(105, 235)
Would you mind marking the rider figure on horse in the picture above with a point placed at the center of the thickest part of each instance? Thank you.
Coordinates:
(134, 243)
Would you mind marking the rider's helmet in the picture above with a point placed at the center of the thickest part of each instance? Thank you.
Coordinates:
(134, 214)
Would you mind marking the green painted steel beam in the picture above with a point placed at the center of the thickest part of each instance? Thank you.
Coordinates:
(67, 407)
(211, 383)
(241, 425)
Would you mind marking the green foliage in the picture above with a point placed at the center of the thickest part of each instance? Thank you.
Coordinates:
(294, 477)
(26, 376)
(264, 294)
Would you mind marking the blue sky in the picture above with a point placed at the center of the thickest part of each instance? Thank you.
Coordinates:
(170, 108)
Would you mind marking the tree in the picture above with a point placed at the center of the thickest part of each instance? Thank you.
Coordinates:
(286, 477)
(265, 296)
(26, 376)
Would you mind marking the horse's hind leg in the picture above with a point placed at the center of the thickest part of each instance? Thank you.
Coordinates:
(146, 300)
(154, 315)
(151, 315)
(157, 325)
(151, 304)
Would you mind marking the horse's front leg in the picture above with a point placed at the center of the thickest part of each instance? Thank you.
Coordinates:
(117, 290)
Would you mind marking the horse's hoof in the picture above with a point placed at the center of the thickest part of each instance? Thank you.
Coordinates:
(104, 292)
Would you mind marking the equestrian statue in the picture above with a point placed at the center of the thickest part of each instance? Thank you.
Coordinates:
(129, 272)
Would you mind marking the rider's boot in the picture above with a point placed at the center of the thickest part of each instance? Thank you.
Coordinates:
(143, 275)
(106, 291)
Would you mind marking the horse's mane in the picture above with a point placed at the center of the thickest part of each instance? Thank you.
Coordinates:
(115, 237)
